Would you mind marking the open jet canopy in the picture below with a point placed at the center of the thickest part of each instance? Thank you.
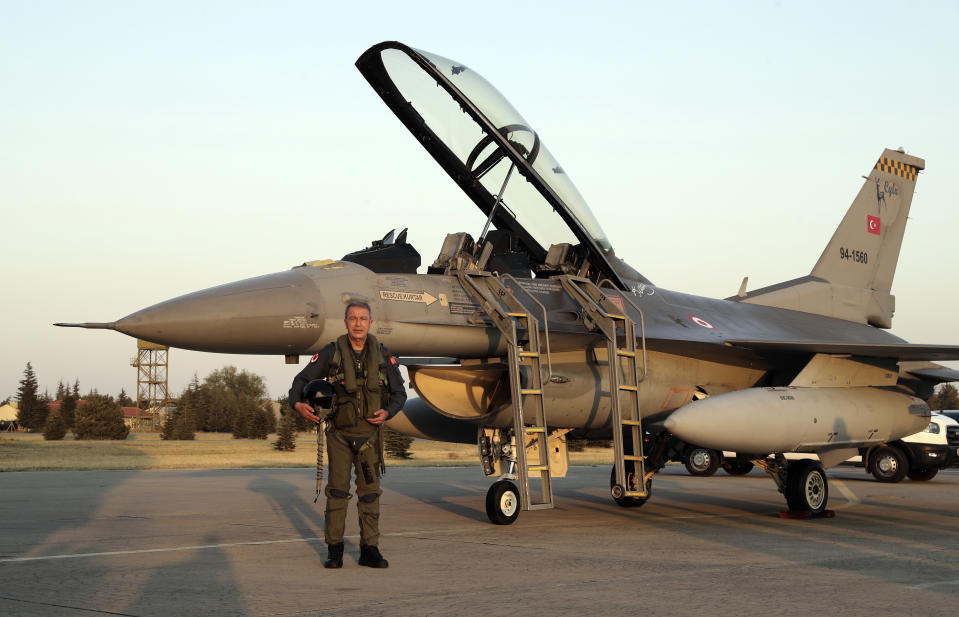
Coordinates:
(491, 152)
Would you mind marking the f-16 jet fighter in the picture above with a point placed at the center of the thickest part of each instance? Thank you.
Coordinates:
(531, 332)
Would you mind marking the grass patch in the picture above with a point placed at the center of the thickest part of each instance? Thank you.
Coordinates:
(30, 452)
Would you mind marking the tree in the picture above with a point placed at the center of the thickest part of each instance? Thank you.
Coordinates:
(55, 428)
(100, 417)
(68, 409)
(397, 445)
(185, 427)
(33, 410)
(124, 400)
(946, 397)
(302, 424)
(241, 424)
(227, 392)
(258, 425)
(166, 431)
(286, 435)
(62, 390)
(76, 388)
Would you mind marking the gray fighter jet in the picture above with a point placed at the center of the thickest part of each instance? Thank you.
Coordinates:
(533, 332)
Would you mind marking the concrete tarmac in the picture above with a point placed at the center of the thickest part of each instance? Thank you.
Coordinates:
(249, 542)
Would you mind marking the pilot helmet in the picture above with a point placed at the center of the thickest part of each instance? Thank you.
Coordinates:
(319, 392)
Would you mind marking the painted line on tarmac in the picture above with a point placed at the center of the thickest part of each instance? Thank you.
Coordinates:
(931, 585)
(851, 498)
(196, 547)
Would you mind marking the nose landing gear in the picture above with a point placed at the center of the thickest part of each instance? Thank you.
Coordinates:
(502, 502)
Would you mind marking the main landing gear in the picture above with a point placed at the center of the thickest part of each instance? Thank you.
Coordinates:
(802, 482)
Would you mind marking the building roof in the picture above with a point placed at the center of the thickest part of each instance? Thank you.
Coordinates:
(135, 412)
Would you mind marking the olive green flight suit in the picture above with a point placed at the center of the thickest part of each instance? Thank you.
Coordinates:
(352, 442)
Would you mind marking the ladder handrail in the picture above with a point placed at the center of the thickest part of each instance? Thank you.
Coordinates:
(549, 359)
(596, 306)
(642, 322)
(507, 313)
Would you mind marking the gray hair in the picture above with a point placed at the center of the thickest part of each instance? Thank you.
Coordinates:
(360, 304)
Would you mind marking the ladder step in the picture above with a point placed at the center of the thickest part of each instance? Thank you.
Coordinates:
(535, 429)
(613, 316)
(528, 354)
(635, 494)
(626, 354)
(541, 506)
(530, 391)
(538, 467)
(516, 314)
(631, 457)
(630, 388)
(631, 423)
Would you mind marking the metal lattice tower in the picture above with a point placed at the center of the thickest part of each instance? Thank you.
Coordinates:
(151, 363)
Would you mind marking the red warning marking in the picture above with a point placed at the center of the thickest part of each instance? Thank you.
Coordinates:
(873, 224)
(393, 360)
(699, 321)
(617, 301)
(315, 357)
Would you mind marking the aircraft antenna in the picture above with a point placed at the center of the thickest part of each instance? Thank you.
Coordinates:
(152, 363)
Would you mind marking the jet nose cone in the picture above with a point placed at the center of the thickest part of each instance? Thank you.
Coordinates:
(273, 314)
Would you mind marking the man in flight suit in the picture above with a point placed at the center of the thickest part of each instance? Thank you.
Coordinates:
(368, 390)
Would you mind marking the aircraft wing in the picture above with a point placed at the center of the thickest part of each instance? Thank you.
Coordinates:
(904, 352)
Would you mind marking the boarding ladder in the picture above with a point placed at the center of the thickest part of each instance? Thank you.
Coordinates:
(602, 313)
(509, 315)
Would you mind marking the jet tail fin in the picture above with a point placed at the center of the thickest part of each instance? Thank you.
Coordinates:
(853, 278)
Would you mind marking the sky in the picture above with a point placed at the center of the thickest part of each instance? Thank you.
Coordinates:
(149, 149)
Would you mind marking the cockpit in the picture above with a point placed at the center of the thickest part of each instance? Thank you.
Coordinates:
(537, 223)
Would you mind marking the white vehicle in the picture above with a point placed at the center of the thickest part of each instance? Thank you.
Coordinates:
(919, 456)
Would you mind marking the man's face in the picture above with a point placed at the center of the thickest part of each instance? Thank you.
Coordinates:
(358, 323)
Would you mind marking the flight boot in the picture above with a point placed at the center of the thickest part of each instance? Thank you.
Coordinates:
(334, 556)
(370, 556)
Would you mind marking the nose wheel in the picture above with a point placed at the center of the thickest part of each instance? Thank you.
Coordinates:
(502, 503)
(619, 493)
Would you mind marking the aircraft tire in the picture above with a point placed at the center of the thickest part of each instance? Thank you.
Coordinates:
(701, 461)
(736, 467)
(807, 489)
(923, 474)
(888, 464)
(502, 503)
(629, 502)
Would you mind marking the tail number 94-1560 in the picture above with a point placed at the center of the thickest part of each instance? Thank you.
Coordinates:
(859, 257)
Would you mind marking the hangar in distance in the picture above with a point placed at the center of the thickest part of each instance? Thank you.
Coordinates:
(531, 332)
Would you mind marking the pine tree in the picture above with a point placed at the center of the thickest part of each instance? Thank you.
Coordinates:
(76, 389)
(946, 397)
(100, 417)
(55, 428)
(124, 400)
(32, 411)
(62, 390)
(286, 435)
(68, 408)
(169, 425)
(241, 424)
(185, 427)
(259, 427)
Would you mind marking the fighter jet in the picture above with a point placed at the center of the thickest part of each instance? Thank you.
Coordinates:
(532, 332)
